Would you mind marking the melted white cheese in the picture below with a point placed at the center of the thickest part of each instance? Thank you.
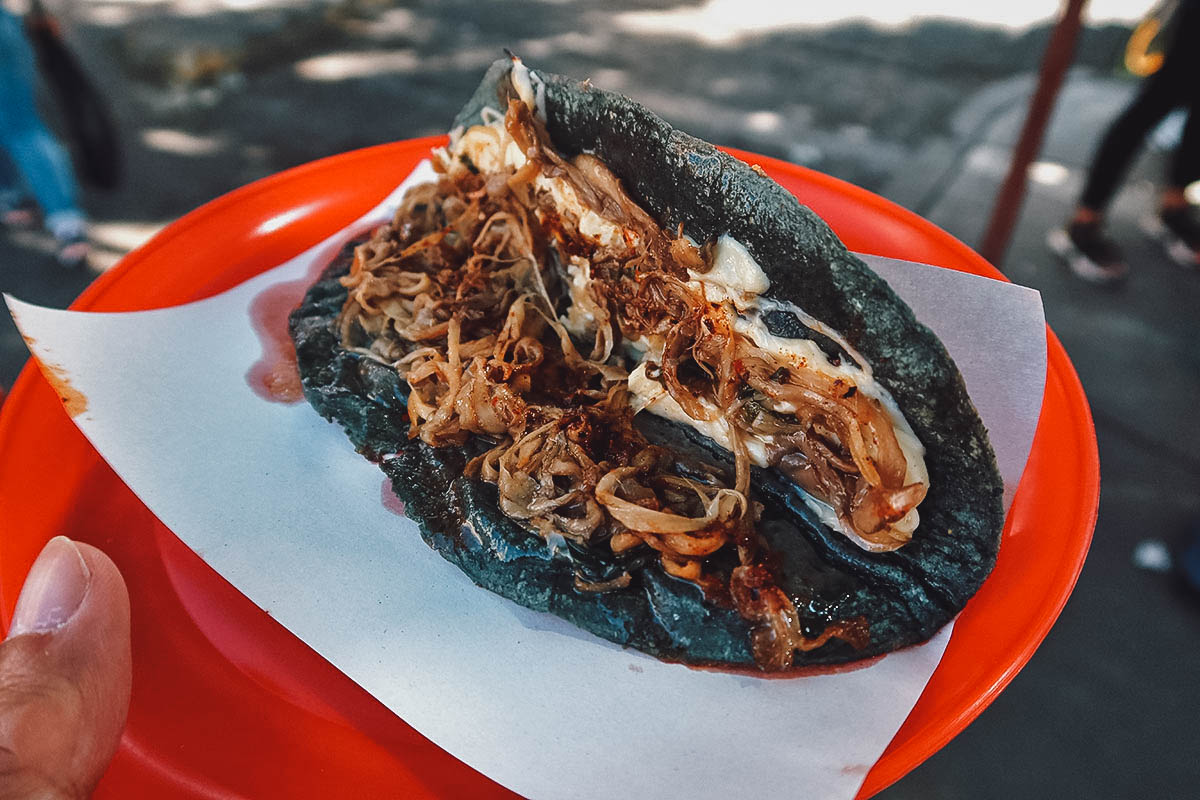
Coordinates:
(522, 81)
(580, 320)
(736, 280)
(650, 395)
(735, 276)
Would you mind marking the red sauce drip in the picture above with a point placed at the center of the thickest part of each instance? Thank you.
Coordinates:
(74, 401)
(388, 497)
(275, 377)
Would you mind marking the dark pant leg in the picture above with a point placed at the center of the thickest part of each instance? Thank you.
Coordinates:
(1185, 164)
(1173, 85)
(1159, 94)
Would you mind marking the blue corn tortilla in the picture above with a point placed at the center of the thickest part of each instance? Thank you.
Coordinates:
(904, 596)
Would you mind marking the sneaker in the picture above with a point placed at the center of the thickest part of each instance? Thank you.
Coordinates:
(73, 251)
(1089, 253)
(1179, 233)
(15, 212)
(70, 233)
(20, 218)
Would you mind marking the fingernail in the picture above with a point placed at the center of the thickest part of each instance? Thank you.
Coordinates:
(53, 590)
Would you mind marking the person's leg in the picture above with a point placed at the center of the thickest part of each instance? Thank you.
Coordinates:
(1185, 163)
(1177, 226)
(10, 182)
(13, 212)
(1160, 93)
(1083, 244)
(43, 165)
(11, 188)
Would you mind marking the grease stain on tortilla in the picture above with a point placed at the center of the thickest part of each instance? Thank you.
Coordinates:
(74, 401)
(275, 376)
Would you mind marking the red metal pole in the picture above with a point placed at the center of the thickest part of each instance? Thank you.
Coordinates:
(1057, 59)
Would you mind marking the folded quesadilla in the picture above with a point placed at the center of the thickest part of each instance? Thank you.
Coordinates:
(620, 376)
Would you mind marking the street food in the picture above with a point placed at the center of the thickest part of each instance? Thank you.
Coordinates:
(620, 376)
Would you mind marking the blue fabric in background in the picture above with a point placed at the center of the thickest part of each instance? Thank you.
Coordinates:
(1189, 559)
(34, 155)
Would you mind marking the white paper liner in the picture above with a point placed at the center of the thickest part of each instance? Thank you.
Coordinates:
(275, 499)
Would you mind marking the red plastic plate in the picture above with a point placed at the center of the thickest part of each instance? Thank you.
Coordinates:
(227, 703)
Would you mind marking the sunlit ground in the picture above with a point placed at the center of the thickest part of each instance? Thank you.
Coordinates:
(111, 241)
(714, 21)
(120, 12)
(727, 21)
(719, 23)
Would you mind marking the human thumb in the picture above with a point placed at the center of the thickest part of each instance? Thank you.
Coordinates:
(64, 674)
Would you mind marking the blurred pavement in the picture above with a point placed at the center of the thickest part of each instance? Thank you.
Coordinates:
(212, 95)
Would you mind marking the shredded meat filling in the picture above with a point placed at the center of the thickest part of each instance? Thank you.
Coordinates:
(466, 295)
